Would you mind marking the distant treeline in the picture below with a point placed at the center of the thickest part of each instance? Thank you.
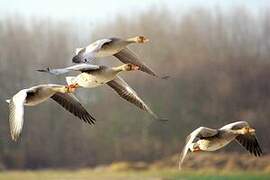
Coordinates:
(218, 61)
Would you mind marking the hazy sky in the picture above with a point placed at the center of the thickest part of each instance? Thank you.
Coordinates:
(97, 10)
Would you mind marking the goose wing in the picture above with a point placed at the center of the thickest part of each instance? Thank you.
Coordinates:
(127, 56)
(250, 143)
(88, 53)
(16, 112)
(201, 132)
(72, 104)
(127, 93)
(77, 67)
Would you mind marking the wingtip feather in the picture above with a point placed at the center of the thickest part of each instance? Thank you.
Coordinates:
(165, 77)
(44, 70)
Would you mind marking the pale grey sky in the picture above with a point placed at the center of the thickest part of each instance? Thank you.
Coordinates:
(95, 10)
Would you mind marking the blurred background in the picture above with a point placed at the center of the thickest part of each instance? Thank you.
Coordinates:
(216, 52)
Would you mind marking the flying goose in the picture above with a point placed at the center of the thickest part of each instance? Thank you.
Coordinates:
(113, 47)
(38, 94)
(94, 75)
(91, 75)
(213, 139)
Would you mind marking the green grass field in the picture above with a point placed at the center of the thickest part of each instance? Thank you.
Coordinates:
(128, 175)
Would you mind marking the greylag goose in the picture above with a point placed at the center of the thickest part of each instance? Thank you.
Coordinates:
(214, 139)
(113, 47)
(94, 75)
(38, 94)
(91, 75)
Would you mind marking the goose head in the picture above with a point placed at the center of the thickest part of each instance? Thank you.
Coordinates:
(72, 87)
(138, 39)
(129, 67)
(65, 89)
(246, 130)
(126, 67)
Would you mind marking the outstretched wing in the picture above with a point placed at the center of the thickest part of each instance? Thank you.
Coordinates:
(72, 104)
(127, 93)
(127, 56)
(16, 112)
(77, 67)
(201, 132)
(250, 143)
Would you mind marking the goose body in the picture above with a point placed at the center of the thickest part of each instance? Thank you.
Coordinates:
(217, 142)
(207, 139)
(111, 46)
(100, 77)
(87, 80)
(38, 94)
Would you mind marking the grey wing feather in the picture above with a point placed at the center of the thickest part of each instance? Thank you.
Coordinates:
(250, 143)
(83, 67)
(72, 105)
(77, 67)
(127, 56)
(126, 92)
(54, 71)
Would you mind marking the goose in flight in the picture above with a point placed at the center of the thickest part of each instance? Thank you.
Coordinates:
(207, 139)
(38, 94)
(113, 47)
(94, 75)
